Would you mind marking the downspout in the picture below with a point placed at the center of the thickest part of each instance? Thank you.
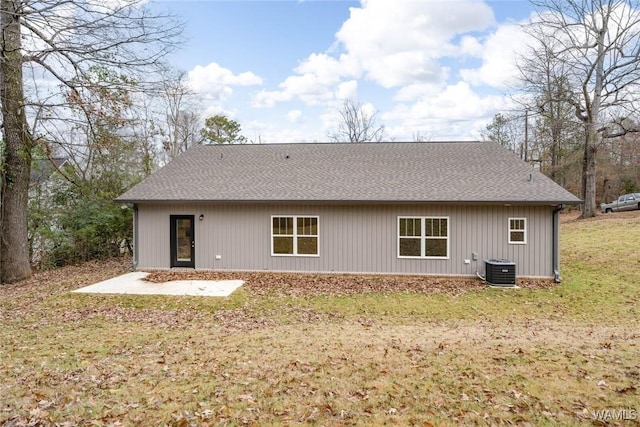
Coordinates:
(135, 236)
(555, 250)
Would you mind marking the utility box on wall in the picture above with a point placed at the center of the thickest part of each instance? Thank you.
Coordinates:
(500, 272)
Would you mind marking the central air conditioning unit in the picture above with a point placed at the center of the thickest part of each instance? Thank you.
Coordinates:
(500, 272)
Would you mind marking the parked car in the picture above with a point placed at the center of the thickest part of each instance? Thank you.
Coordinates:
(628, 202)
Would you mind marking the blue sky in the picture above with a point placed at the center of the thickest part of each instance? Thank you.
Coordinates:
(437, 68)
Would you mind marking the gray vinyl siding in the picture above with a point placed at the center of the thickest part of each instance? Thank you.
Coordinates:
(352, 238)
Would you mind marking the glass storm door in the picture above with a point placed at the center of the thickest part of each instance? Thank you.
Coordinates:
(182, 241)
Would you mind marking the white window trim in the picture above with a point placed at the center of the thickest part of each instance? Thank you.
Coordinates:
(295, 235)
(423, 238)
(511, 242)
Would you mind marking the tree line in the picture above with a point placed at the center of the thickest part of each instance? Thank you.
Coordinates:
(578, 95)
(90, 107)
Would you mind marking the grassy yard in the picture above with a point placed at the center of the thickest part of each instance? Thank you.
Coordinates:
(555, 356)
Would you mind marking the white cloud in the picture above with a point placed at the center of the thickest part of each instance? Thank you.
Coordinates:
(390, 43)
(399, 43)
(347, 90)
(405, 56)
(327, 68)
(216, 82)
(294, 116)
(417, 91)
(273, 135)
(269, 98)
(281, 130)
(456, 110)
(330, 120)
(214, 110)
(471, 46)
(314, 81)
(499, 54)
(368, 109)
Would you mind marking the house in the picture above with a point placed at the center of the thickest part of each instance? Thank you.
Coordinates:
(402, 208)
(43, 168)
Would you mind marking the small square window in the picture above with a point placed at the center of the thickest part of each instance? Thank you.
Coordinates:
(518, 231)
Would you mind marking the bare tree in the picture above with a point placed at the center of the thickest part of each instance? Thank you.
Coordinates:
(182, 122)
(418, 136)
(48, 47)
(506, 130)
(357, 124)
(620, 166)
(147, 133)
(594, 45)
(555, 123)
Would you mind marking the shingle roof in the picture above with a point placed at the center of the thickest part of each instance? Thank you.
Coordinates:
(468, 172)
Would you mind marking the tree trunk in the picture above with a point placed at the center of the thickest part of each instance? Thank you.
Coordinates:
(593, 111)
(14, 241)
(589, 178)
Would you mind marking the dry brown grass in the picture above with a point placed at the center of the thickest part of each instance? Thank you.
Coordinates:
(550, 356)
(350, 372)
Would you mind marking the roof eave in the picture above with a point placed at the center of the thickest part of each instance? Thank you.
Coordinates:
(356, 201)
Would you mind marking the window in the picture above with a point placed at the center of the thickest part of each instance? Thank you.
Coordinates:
(294, 235)
(423, 237)
(518, 230)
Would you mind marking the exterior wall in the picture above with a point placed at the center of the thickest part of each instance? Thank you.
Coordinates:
(352, 238)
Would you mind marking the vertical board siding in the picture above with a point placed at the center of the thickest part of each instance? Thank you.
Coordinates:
(352, 238)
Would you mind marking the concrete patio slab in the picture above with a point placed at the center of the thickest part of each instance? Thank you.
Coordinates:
(132, 283)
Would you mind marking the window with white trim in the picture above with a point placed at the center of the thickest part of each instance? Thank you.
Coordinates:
(294, 235)
(518, 231)
(423, 237)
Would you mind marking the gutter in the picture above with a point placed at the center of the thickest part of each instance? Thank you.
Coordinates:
(352, 202)
(135, 236)
(555, 246)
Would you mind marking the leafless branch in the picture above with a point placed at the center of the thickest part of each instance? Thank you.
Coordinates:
(357, 125)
